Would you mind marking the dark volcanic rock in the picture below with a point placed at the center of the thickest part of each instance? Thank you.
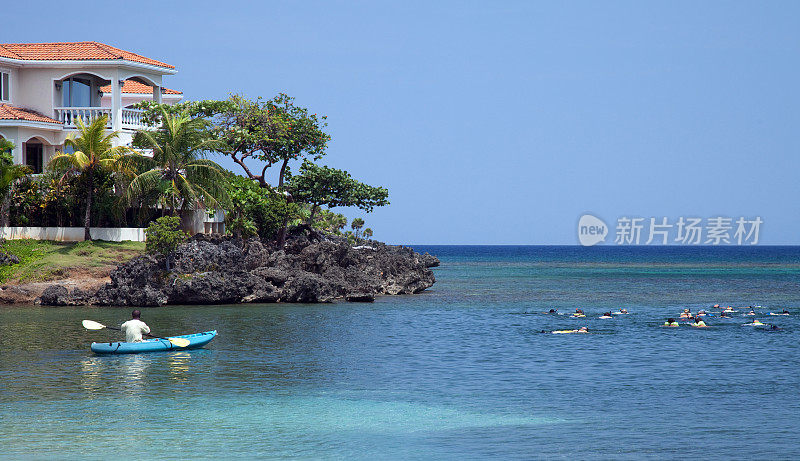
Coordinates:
(306, 287)
(215, 270)
(360, 297)
(8, 259)
(54, 295)
(59, 295)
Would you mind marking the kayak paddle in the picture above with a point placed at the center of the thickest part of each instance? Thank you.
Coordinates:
(92, 325)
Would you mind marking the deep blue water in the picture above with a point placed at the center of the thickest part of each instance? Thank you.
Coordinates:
(461, 371)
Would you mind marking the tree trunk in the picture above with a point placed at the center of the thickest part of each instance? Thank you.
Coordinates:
(311, 217)
(5, 211)
(282, 233)
(237, 232)
(87, 219)
(311, 231)
(283, 172)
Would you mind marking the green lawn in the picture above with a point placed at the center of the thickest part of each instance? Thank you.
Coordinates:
(42, 261)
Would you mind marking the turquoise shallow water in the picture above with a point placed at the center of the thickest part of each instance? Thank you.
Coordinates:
(458, 372)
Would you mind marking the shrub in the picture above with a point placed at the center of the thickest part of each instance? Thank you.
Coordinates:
(256, 205)
(163, 237)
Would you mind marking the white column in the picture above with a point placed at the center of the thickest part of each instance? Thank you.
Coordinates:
(116, 103)
(18, 156)
(157, 94)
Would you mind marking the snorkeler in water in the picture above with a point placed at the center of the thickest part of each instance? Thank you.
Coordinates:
(564, 332)
(671, 323)
(699, 323)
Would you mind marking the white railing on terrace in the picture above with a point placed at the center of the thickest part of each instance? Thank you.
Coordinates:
(69, 115)
(132, 118)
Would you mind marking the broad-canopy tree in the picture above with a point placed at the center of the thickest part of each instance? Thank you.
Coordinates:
(178, 176)
(270, 132)
(262, 134)
(331, 187)
(94, 153)
(327, 220)
(264, 208)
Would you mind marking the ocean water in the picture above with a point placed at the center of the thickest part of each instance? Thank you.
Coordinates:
(461, 371)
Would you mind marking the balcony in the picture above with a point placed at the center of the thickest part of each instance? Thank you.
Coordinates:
(131, 118)
(69, 115)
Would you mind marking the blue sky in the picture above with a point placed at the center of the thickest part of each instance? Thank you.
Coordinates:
(501, 122)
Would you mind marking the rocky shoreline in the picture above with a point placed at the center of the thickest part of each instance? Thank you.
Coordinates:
(223, 270)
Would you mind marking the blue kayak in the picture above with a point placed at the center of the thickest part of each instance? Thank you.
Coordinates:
(154, 345)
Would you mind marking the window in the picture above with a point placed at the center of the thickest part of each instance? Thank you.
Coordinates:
(5, 86)
(33, 156)
(76, 92)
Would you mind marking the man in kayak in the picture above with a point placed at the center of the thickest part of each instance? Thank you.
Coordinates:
(135, 328)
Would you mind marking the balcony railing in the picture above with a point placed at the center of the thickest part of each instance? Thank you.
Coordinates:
(131, 118)
(69, 115)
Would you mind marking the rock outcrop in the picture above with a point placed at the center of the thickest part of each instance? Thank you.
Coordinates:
(59, 295)
(8, 259)
(217, 270)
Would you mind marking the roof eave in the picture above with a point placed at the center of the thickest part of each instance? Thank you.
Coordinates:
(43, 63)
(163, 95)
(52, 126)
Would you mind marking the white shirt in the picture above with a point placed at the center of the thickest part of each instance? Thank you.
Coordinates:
(134, 329)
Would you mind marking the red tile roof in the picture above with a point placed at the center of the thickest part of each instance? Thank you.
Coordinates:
(80, 51)
(9, 112)
(132, 86)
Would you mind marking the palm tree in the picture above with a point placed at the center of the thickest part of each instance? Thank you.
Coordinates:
(9, 173)
(357, 224)
(93, 153)
(178, 175)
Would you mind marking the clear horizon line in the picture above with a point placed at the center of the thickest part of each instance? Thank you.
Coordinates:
(603, 246)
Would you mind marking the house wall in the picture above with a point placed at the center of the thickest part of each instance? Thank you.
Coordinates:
(194, 222)
(34, 88)
(51, 140)
(10, 133)
(199, 222)
(73, 234)
(128, 99)
(12, 76)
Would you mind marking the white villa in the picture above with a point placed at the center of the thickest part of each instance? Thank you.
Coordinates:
(46, 87)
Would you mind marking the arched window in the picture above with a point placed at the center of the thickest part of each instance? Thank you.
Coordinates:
(34, 155)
